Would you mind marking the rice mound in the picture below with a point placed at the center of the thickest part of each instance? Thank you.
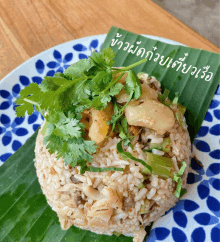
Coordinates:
(110, 202)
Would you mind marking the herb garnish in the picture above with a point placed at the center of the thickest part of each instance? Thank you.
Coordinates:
(163, 97)
(61, 99)
(177, 178)
(175, 100)
(127, 155)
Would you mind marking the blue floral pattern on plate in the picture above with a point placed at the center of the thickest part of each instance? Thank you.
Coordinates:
(196, 217)
(60, 64)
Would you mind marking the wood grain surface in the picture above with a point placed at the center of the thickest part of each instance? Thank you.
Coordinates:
(28, 27)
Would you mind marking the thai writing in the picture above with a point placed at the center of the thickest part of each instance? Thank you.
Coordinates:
(168, 62)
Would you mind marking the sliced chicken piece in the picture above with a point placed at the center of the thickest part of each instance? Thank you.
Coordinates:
(150, 114)
(89, 191)
(101, 211)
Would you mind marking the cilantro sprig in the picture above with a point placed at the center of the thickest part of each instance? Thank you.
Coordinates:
(61, 99)
(119, 122)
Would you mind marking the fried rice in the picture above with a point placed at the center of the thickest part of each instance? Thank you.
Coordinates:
(112, 201)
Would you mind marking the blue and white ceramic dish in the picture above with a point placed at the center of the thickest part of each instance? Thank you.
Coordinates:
(196, 217)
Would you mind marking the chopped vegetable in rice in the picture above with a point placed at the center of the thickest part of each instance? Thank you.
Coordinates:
(113, 154)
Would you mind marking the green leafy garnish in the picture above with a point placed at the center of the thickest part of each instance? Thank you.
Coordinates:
(175, 100)
(182, 192)
(181, 108)
(179, 117)
(97, 169)
(163, 97)
(43, 131)
(133, 85)
(127, 155)
(141, 186)
(29, 96)
(89, 83)
(105, 96)
(143, 209)
(84, 168)
(177, 178)
(119, 122)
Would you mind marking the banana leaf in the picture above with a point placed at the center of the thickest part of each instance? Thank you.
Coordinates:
(24, 212)
(192, 73)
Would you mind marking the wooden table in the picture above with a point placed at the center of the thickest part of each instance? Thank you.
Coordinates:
(28, 27)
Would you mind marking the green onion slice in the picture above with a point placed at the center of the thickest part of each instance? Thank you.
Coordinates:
(177, 178)
(102, 169)
(125, 155)
(161, 165)
(175, 100)
(43, 131)
(181, 108)
(164, 146)
(164, 95)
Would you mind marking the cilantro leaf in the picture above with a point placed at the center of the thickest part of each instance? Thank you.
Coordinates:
(72, 150)
(29, 96)
(123, 134)
(48, 85)
(101, 101)
(99, 82)
(79, 69)
(108, 55)
(118, 120)
(65, 136)
(133, 85)
(65, 126)
(60, 81)
(103, 59)
(52, 142)
(68, 129)
(50, 99)
(79, 92)
(114, 90)
(117, 113)
(122, 125)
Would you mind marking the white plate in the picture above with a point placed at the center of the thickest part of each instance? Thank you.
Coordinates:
(196, 217)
